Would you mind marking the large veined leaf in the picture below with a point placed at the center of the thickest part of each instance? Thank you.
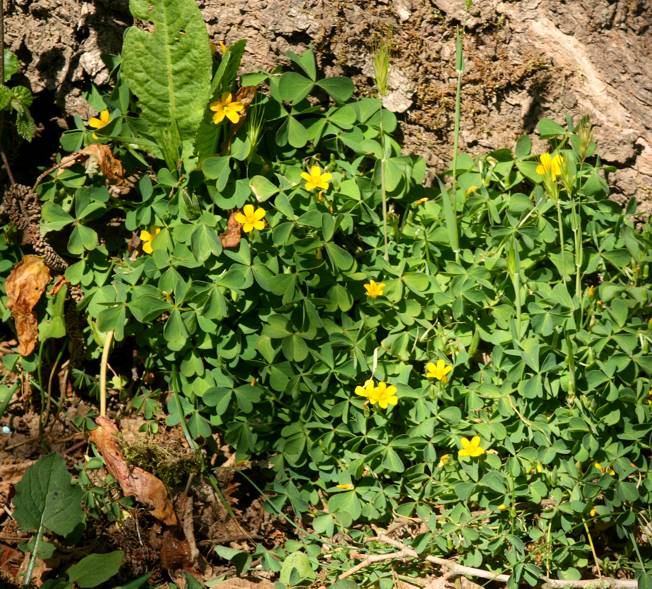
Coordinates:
(169, 67)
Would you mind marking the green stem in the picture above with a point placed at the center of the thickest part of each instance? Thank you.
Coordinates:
(383, 192)
(32, 559)
(560, 224)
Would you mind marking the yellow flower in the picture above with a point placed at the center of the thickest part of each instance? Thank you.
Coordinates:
(316, 178)
(251, 219)
(471, 189)
(345, 486)
(604, 469)
(225, 107)
(96, 123)
(590, 292)
(502, 507)
(438, 371)
(550, 166)
(374, 289)
(223, 47)
(443, 460)
(381, 395)
(366, 390)
(147, 237)
(384, 395)
(593, 512)
(471, 447)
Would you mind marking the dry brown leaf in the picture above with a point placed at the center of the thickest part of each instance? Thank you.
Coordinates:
(110, 166)
(25, 285)
(231, 237)
(143, 485)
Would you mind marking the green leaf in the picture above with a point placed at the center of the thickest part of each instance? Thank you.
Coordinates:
(53, 218)
(11, 64)
(339, 88)
(95, 569)
(296, 568)
(175, 332)
(339, 257)
(548, 128)
(168, 67)
(54, 325)
(82, 238)
(306, 61)
(262, 188)
(46, 498)
(253, 78)
(294, 348)
(523, 147)
(294, 87)
(5, 97)
(297, 134)
(147, 303)
(204, 242)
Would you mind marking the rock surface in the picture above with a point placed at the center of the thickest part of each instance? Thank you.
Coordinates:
(524, 60)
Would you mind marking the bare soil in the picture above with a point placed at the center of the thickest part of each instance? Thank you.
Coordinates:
(524, 60)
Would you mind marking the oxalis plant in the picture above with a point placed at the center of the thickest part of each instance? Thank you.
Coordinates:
(475, 356)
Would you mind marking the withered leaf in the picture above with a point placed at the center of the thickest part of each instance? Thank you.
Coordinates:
(143, 485)
(110, 166)
(25, 285)
(231, 237)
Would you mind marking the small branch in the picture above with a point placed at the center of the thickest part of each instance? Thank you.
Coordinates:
(5, 163)
(373, 558)
(454, 569)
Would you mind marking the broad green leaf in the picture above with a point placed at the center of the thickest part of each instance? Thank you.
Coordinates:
(294, 87)
(297, 134)
(306, 61)
(95, 569)
(339, 257)
(548, 128)
(175, 332)
(53, 217)
(296, 569)
(82, 238)
(168, 67)
(339, 88)
(262, 188)
(11, 64)
(54, 325)
(294, 348)
(46, 498)
(204, 242)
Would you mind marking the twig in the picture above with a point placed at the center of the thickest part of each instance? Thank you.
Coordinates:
(454, 569)
(457, 570)
(373, 558)
(5, 162)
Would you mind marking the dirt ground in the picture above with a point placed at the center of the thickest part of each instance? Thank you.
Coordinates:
(524, 60)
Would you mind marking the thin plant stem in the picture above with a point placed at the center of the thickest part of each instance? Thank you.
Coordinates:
(2, 42)
(595, 555)
(560, 224)
(32, 560)
(383, 190)
(108, 340)
(459, 70)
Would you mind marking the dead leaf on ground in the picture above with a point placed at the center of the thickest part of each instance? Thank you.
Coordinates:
(143, 485)
(25, 285)
(231, 237)
(10, 560)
